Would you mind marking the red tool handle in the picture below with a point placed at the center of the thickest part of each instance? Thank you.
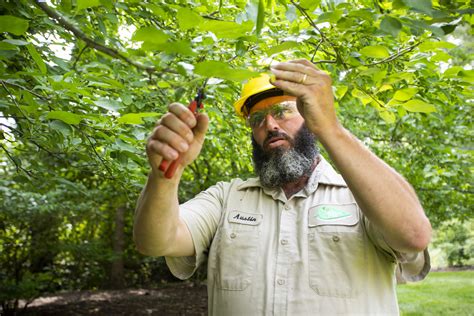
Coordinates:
(170, 169)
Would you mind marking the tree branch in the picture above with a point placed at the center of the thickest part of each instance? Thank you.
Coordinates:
(323, 36)
(14, 101)
(12, 159)
(395, 56)
(89, 42)
(24, 88)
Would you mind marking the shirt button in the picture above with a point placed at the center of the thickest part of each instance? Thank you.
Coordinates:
(284, 242)
(281, 282)
(233, 235)
(287, 207)
(335, 238)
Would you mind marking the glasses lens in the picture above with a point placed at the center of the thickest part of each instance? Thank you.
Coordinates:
(277, 111)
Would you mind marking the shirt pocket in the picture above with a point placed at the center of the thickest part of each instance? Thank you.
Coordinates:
(336, 250)
(235, 259)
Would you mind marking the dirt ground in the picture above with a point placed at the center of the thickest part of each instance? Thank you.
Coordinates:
(170, 299)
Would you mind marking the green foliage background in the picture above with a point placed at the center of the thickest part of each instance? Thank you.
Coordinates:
(73, 125)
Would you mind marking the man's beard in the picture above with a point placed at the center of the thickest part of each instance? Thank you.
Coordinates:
(280, 166)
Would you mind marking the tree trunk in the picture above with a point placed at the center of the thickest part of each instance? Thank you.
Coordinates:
(117, 269)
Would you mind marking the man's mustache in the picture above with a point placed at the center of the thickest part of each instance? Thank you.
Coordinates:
(276, 134)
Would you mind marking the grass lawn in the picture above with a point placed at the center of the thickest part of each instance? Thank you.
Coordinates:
(441, 293)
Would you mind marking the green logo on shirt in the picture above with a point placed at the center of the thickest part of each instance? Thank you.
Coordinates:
(329, 212)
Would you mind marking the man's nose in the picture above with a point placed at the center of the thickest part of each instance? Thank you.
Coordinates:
(271, 123)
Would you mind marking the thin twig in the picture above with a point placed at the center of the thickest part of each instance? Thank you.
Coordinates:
(24, 88)
(323, 36)
(89, 42)
(395, 56)
(16, 103)
(316, 50)
(324, 62)
(18, 167)
(79, 56)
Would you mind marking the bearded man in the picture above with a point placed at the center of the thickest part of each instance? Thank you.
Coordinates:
(299, 239)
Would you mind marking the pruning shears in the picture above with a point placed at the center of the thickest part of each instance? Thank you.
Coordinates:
(193, 106)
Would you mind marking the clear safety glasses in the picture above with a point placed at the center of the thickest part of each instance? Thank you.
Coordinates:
(280, 112)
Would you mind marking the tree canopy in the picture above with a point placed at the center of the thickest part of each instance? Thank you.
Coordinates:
(82, 83)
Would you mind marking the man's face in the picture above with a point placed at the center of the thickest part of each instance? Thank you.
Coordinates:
(283, 118)
(283, 148)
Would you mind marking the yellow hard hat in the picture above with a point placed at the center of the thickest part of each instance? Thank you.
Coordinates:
(255, 90)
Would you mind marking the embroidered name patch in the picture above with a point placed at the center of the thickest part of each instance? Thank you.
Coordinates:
(245, 218)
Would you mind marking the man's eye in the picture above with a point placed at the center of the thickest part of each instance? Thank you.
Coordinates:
(279, 112)
(255, 119)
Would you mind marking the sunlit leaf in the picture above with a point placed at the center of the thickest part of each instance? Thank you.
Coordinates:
(135, 118)
(66, 117)
(13, 25)
(225, 29)
(419, 106)
(405, 94)
(282, 47)
(85, 4)
(108, 104)
(188, 19)
(376, 51)
(150, 34)
(222, 70)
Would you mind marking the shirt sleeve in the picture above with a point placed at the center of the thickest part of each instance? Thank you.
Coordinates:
(411, 267)
(201, 215)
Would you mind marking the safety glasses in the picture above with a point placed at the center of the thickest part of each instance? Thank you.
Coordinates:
(280, 112)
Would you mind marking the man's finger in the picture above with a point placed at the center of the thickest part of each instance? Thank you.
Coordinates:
(183, 113)
(294, 67)
(201, 126)
(178, 126)
(171, 138)
(162, 149)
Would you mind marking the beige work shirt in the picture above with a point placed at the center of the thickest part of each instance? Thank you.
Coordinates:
(313, 254)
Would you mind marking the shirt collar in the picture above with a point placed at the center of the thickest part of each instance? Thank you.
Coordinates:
(324, 173)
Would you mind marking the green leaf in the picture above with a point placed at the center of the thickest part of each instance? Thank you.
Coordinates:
(135, 118)
(7, 46)
(222, 70)
(441, 56)
(66, 117)
(37, 58)
(150, 34)
(13, 25)
(260, 17)
(61, 127)
(108, 104)
(331, 16)
(376, 51)
(224, 29)
(423, 6)
(310, 5)
(431, 45)
(405, 94)
(282, 47)
(391, 26)
(182, 47)
(84, 4)
(16, 42)
(363, 97)
(387, 116)
(419, 106)
(188, 19)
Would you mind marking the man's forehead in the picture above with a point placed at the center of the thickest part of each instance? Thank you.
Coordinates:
(285, 100)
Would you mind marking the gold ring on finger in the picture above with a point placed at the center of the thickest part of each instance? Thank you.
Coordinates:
(302, 81)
